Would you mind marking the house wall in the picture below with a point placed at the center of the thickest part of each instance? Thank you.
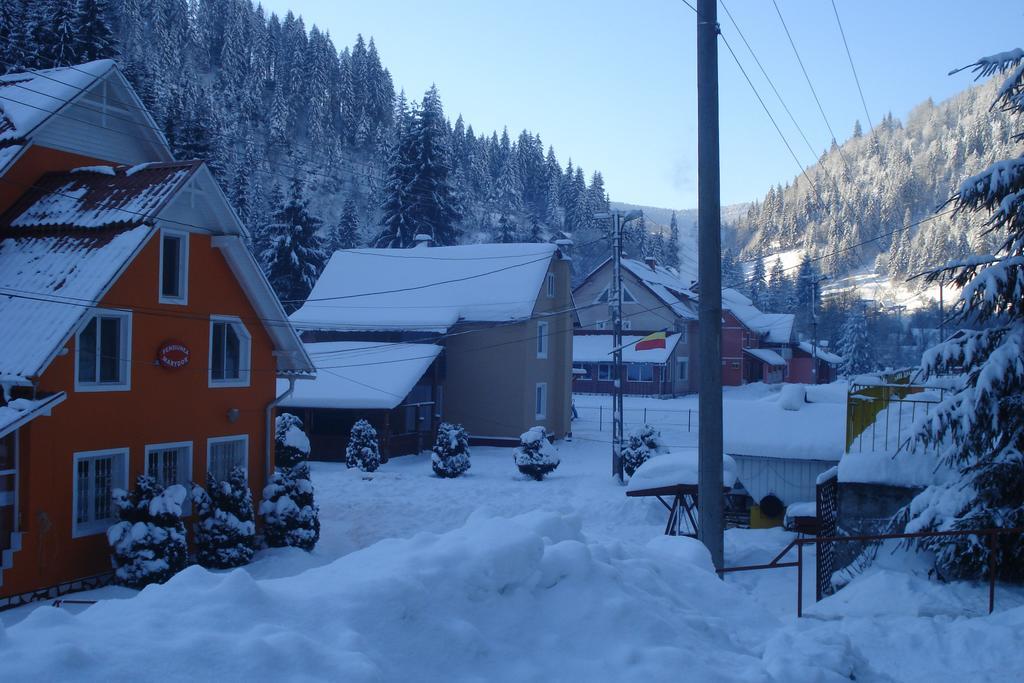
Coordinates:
(647, 314)
(791, 480)
(492, 370)
(801, 370)
(162, 406)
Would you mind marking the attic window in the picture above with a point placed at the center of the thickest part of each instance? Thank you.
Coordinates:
(627, 296)
(173, 267)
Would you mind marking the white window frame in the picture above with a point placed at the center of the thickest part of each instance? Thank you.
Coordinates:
(13, 473)
(611, 373)
(627, 324)
(245, 353)
(639, 368)
(120, 458)
(213, 440)
(187, 445)
(682, 334)
(585, 367)
(551, 285)
(683, 369)
(182, 297)
(542, 339)
(125, 351)
(540, 399)
(602, 324)
(605, 296)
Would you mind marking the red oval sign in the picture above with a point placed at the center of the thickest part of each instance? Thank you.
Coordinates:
(173, 355)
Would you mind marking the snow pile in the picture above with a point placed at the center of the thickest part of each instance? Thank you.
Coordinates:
(675, 468)
(792, 397)
(817, 431)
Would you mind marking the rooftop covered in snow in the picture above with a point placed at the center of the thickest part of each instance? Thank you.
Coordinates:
(597, 348)
(361, 375)
(777, 328)
(821, 353)
(426, 289)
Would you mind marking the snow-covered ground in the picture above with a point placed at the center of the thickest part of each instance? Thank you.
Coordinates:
(494, 577)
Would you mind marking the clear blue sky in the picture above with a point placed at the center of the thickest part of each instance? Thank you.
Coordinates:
(612, 83)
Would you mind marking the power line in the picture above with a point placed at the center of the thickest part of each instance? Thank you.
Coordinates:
(852, 67)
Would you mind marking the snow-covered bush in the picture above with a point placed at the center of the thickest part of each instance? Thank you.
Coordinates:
(363, 450)
(978, 427)
(536, 457)
(225, 532)
(291, 444)
(451, 451)
(650, 436)
(148, 543)
(640, 444)
(290, 515)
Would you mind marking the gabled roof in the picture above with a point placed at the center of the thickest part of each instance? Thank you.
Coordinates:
(426, 289)
(827, 356)
(22, 410)
(767, 356)
(361, 375)
(597, 348)
(777, 328)
(664, 283)
(29, 98)
(95, 197)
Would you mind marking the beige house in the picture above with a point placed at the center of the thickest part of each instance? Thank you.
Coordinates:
(500, 313)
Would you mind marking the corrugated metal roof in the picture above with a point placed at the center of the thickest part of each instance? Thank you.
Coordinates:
(98, 197)
(29, 98)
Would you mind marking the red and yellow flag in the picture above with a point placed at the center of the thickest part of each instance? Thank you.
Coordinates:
(651, 341)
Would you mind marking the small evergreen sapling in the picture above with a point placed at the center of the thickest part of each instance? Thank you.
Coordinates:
(226, 531)
(451, 451)
(536, 457)
(148, 543)
(291, 517)
(363, 450)
(291, 445)
(640, 445)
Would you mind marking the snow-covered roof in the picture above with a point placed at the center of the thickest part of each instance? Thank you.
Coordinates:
(665, 284)
(8, 154)
(22, 410)
(426, 289)
(766, 356)
(776, 327)
(44, 282)
(99, 196)
(597, 348)
(822, 354)
(679, 467)
(29, 98)
(361, 375)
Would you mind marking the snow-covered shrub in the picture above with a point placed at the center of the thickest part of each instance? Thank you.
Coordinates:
(291, 444)
(634, 453)
(451, 451)
(290, 515)
(536, 457)
(650, 436)
(148, 543)
(225, 532)
(363, 450)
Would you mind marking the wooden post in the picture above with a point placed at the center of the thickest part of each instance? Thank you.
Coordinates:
(991, 571)
(799, 579)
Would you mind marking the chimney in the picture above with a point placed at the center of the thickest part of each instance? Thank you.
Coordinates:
(422, 240)
(651, 262)
(564, 248)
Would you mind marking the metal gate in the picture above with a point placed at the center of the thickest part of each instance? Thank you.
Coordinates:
(828, 514)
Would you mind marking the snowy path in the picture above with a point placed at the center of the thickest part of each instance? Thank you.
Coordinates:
(494, 577)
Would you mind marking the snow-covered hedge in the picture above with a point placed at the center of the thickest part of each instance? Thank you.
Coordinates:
(363, 450)
(451, 451)
(291, 444)
(225, 532)
(148, 543)
(536, 457)
(290, 514)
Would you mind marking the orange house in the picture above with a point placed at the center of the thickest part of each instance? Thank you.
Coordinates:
(137, 336)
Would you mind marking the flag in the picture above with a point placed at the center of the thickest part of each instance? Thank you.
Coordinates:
(651, 341)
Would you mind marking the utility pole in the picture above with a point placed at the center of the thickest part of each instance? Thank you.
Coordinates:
(709, 274)
(942, 313)
(814, 327)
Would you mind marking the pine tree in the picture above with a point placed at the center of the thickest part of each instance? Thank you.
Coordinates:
(855, 344)
(345, 234)
(148, 542)
(757, 287)
(363, 450)
(978, 428)
(291, 517)
(94, 38)
(451, 451)
(225, 531)
(780, 296)
(295, 254)
(56, 34)
(672, 246)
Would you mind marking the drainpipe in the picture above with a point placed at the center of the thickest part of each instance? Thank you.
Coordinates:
(270, 427)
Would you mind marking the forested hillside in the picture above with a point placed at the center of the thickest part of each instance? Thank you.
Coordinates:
(300, 132)
(881, 180)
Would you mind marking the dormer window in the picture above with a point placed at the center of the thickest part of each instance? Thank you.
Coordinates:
(173, 267)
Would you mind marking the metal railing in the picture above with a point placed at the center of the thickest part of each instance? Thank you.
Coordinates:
(636, 417)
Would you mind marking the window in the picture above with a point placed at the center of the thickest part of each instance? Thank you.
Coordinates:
(606, 296)
(551, 285)
(229, 352)
(640, 372)
(97, 474)
(542, 339)
(170, 463)
(541, 401)
(8, 488)
(602, 324)
(683, 365)
(103, 352)
(173, 267)
(581, 370)
(604, 372)
(682, 333)
(627, 324)
(224, 453)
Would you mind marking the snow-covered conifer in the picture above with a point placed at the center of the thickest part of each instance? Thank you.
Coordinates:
(291, 517)
(225, 531)
(672, 245)
(294, 256)
(363, 450)
(291, 445)
(855, 345)
(451, 451)
(148, 542)
(536, 457)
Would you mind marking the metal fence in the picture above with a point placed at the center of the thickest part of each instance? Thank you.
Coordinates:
(600, 418)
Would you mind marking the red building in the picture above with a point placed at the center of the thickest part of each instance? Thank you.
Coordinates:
(139, 334)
